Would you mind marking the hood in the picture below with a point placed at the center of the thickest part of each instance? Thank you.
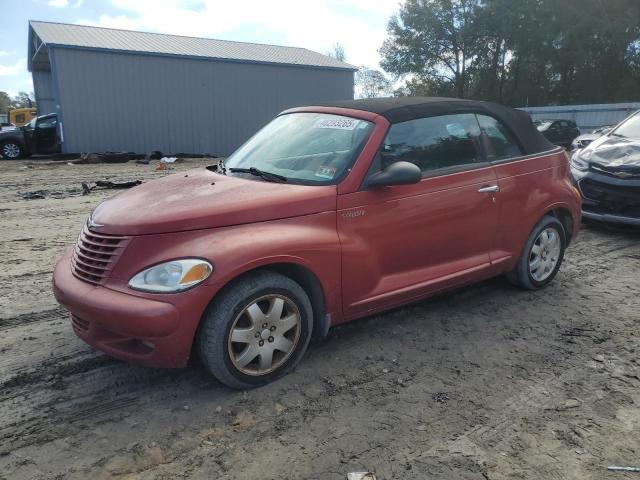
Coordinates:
(6, 132)
(200, 199)
(615, 154)
(588, 136)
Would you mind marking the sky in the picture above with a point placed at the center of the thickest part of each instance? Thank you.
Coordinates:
(359, 25)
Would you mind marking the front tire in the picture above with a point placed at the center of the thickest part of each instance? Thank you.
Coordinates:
(256, 331)
(542, 255)
(11, 150)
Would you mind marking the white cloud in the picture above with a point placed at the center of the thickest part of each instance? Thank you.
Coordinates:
(17, 68)
(316, 25)
(63, 3)
(3, 53)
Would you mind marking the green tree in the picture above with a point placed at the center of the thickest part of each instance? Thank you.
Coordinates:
(526, 52)
(23, 100)
(371, 83)
(5, 102)
(433, 39)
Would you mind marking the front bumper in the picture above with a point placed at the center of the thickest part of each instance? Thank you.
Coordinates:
(606, 217)
(129, 327)
(607, 198)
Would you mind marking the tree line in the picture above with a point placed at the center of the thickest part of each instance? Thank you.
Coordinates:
(21, 100)
(515, 52)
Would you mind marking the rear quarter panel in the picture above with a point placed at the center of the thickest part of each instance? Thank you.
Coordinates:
(529, 188)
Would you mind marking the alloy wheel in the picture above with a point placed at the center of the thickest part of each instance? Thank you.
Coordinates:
(10, 150)
(544, 254)
(264, 335)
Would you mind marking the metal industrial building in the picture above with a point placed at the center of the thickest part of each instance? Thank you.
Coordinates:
(119, 90)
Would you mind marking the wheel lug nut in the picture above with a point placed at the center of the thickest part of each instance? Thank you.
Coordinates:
(261, 343)
(270, 339)
(257, 334)
(264, 325)
(273, 328)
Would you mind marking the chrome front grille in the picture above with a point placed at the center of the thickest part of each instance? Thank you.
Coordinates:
(95, 255)
(79, 324)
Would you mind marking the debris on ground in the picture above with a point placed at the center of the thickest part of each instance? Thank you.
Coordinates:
(169, 159)
(614, 468)
(152, 155)
(114, 157)
(108, 184)
(163, 166)
(42, 194)
(440, 397)
(36, 194)
(86, 158)
(567, 405)
(361, 476)
(75, 192)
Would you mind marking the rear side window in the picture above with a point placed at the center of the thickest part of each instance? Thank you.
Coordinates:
(498, 141)
(433, 143)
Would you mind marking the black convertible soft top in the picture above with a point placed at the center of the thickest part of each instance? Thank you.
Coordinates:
(402, 109)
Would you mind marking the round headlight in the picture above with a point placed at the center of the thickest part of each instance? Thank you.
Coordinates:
(173, 276)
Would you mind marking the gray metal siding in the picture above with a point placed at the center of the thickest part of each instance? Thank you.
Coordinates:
(128, 102)
(44, 90)
(587, 117)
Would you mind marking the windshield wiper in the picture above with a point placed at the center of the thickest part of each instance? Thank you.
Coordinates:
(221, 166)
(268, 176)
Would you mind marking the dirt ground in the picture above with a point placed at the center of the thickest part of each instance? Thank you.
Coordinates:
(488, 382)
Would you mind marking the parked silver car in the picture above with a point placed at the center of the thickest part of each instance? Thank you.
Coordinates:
(585, 139)
(607, 172)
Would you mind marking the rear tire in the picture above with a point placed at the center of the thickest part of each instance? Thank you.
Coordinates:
(542, 255)
(256, 331)
(11, 150)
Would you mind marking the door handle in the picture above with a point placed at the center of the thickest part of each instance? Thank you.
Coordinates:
(489, 189)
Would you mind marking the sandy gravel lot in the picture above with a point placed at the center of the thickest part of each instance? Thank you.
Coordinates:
(488, 382)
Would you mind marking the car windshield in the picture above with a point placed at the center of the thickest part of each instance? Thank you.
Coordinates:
(307, 148)
(630, 128)
(32, 123)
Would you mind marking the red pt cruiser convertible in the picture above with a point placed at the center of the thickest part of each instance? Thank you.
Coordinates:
(328, 214)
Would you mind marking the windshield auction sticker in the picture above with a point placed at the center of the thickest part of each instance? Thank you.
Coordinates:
(338, 123)
(326, 172)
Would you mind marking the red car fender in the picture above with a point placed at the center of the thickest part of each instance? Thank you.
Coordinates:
(309, 242)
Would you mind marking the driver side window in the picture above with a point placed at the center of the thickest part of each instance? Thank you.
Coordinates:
(433, 143)
(47, 123)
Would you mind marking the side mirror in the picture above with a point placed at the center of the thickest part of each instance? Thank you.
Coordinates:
(398, 173)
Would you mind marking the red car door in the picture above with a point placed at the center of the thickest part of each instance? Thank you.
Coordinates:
(527, 184)
(403, 242)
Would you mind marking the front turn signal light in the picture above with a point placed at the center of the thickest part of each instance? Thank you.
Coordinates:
(173, 276)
